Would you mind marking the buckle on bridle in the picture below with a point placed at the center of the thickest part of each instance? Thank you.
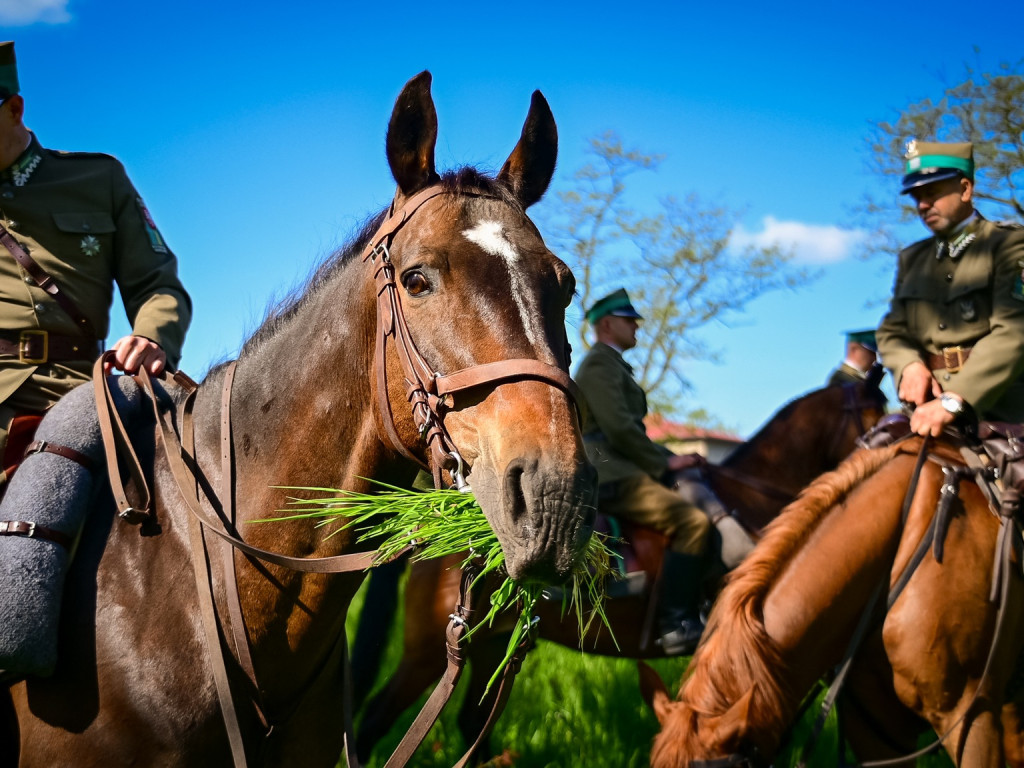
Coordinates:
(380, 250)
(25, 339)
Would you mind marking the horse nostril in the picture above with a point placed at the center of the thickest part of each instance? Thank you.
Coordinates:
(514, 493)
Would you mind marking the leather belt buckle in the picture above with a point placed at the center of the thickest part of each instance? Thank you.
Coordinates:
(26, 341)
(954, 358)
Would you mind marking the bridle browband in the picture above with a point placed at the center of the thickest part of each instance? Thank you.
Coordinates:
(427, 390)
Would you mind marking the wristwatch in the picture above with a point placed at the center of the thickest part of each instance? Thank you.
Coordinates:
(951, 403)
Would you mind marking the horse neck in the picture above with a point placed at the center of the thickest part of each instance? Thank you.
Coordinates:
(787, 453)
(788, 611)
(302, 411)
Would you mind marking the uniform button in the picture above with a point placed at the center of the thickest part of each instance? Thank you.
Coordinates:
(85, 227)
(946, 376)
(942, 326)
(949, 278)
(28, 279)
(7, 194)
(40, 308)
(12, 224)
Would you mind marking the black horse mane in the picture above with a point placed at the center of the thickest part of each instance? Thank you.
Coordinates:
(458, 183)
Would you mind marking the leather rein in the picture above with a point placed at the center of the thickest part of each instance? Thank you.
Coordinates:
(428, 392)
(1005, 506)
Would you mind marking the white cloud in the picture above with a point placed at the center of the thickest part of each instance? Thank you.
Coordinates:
(811, 243)
(21, 13)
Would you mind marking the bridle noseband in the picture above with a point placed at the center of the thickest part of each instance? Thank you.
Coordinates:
(426, 389)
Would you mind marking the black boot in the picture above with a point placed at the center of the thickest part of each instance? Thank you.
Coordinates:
(679, 623)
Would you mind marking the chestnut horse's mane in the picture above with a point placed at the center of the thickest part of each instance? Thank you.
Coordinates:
(736, 653)
(462, 181)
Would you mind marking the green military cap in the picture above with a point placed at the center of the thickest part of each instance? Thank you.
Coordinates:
(8, 71)
(929, 161)
(865, 338)
(617, 304)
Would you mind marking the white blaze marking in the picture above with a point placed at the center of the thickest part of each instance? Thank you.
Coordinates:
(488, 235)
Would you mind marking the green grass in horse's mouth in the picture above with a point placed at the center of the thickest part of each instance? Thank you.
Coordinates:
(439, 523)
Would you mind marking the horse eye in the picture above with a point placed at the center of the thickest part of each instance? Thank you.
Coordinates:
(415, 282)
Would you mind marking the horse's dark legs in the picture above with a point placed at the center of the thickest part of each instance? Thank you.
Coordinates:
(9, 733)
(376, 618)
(485, 654)
(873, 720)
(1013, 731)
(414, 675)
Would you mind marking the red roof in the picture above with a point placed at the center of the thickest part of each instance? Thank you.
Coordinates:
(660, 429)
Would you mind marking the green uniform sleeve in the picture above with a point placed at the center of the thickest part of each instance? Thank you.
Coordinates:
(897, 347)
(997, 359)
(602, 380)
(146, 271)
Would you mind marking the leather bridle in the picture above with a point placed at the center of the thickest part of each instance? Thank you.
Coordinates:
(427, 390)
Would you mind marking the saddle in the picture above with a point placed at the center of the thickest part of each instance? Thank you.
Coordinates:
(997, 444)
(640, 551)
(1003, 443)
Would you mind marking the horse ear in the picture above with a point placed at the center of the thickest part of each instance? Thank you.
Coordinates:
(529, 168)
(730, 726)
(412, 135)
(654, 692)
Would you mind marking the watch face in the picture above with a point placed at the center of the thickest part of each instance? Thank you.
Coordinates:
(951, 404)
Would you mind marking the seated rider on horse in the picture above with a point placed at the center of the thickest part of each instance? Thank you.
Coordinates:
(630, 468)
(71, 225)
(954, 334)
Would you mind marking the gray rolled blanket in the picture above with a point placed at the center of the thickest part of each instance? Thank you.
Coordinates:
(56, 492)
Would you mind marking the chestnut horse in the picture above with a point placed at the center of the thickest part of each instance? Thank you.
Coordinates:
(806, 437)
(476, 286)
(790, 609)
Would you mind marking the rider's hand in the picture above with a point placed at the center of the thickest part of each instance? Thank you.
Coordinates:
(930, 419)
(133, 352)
(677, 463)
(917, 385)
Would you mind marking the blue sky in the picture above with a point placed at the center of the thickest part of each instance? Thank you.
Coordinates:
(255, 131)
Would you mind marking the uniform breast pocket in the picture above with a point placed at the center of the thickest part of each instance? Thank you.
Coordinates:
(970, 302)
(88, 233)
(915, 300)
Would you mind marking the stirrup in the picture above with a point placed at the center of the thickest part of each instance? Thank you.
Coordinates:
(682, 639)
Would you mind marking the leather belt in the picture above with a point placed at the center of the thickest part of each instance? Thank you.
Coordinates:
(950, 358)
(39, 346)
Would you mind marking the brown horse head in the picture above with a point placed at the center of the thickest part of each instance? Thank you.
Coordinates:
(477, 286)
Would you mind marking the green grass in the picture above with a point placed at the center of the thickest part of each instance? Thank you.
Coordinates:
(569, 709)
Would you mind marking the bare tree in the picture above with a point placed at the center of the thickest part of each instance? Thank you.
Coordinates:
(676, 261)
(986, 108)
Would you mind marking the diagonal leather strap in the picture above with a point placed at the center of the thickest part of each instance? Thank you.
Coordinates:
(46, 282)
